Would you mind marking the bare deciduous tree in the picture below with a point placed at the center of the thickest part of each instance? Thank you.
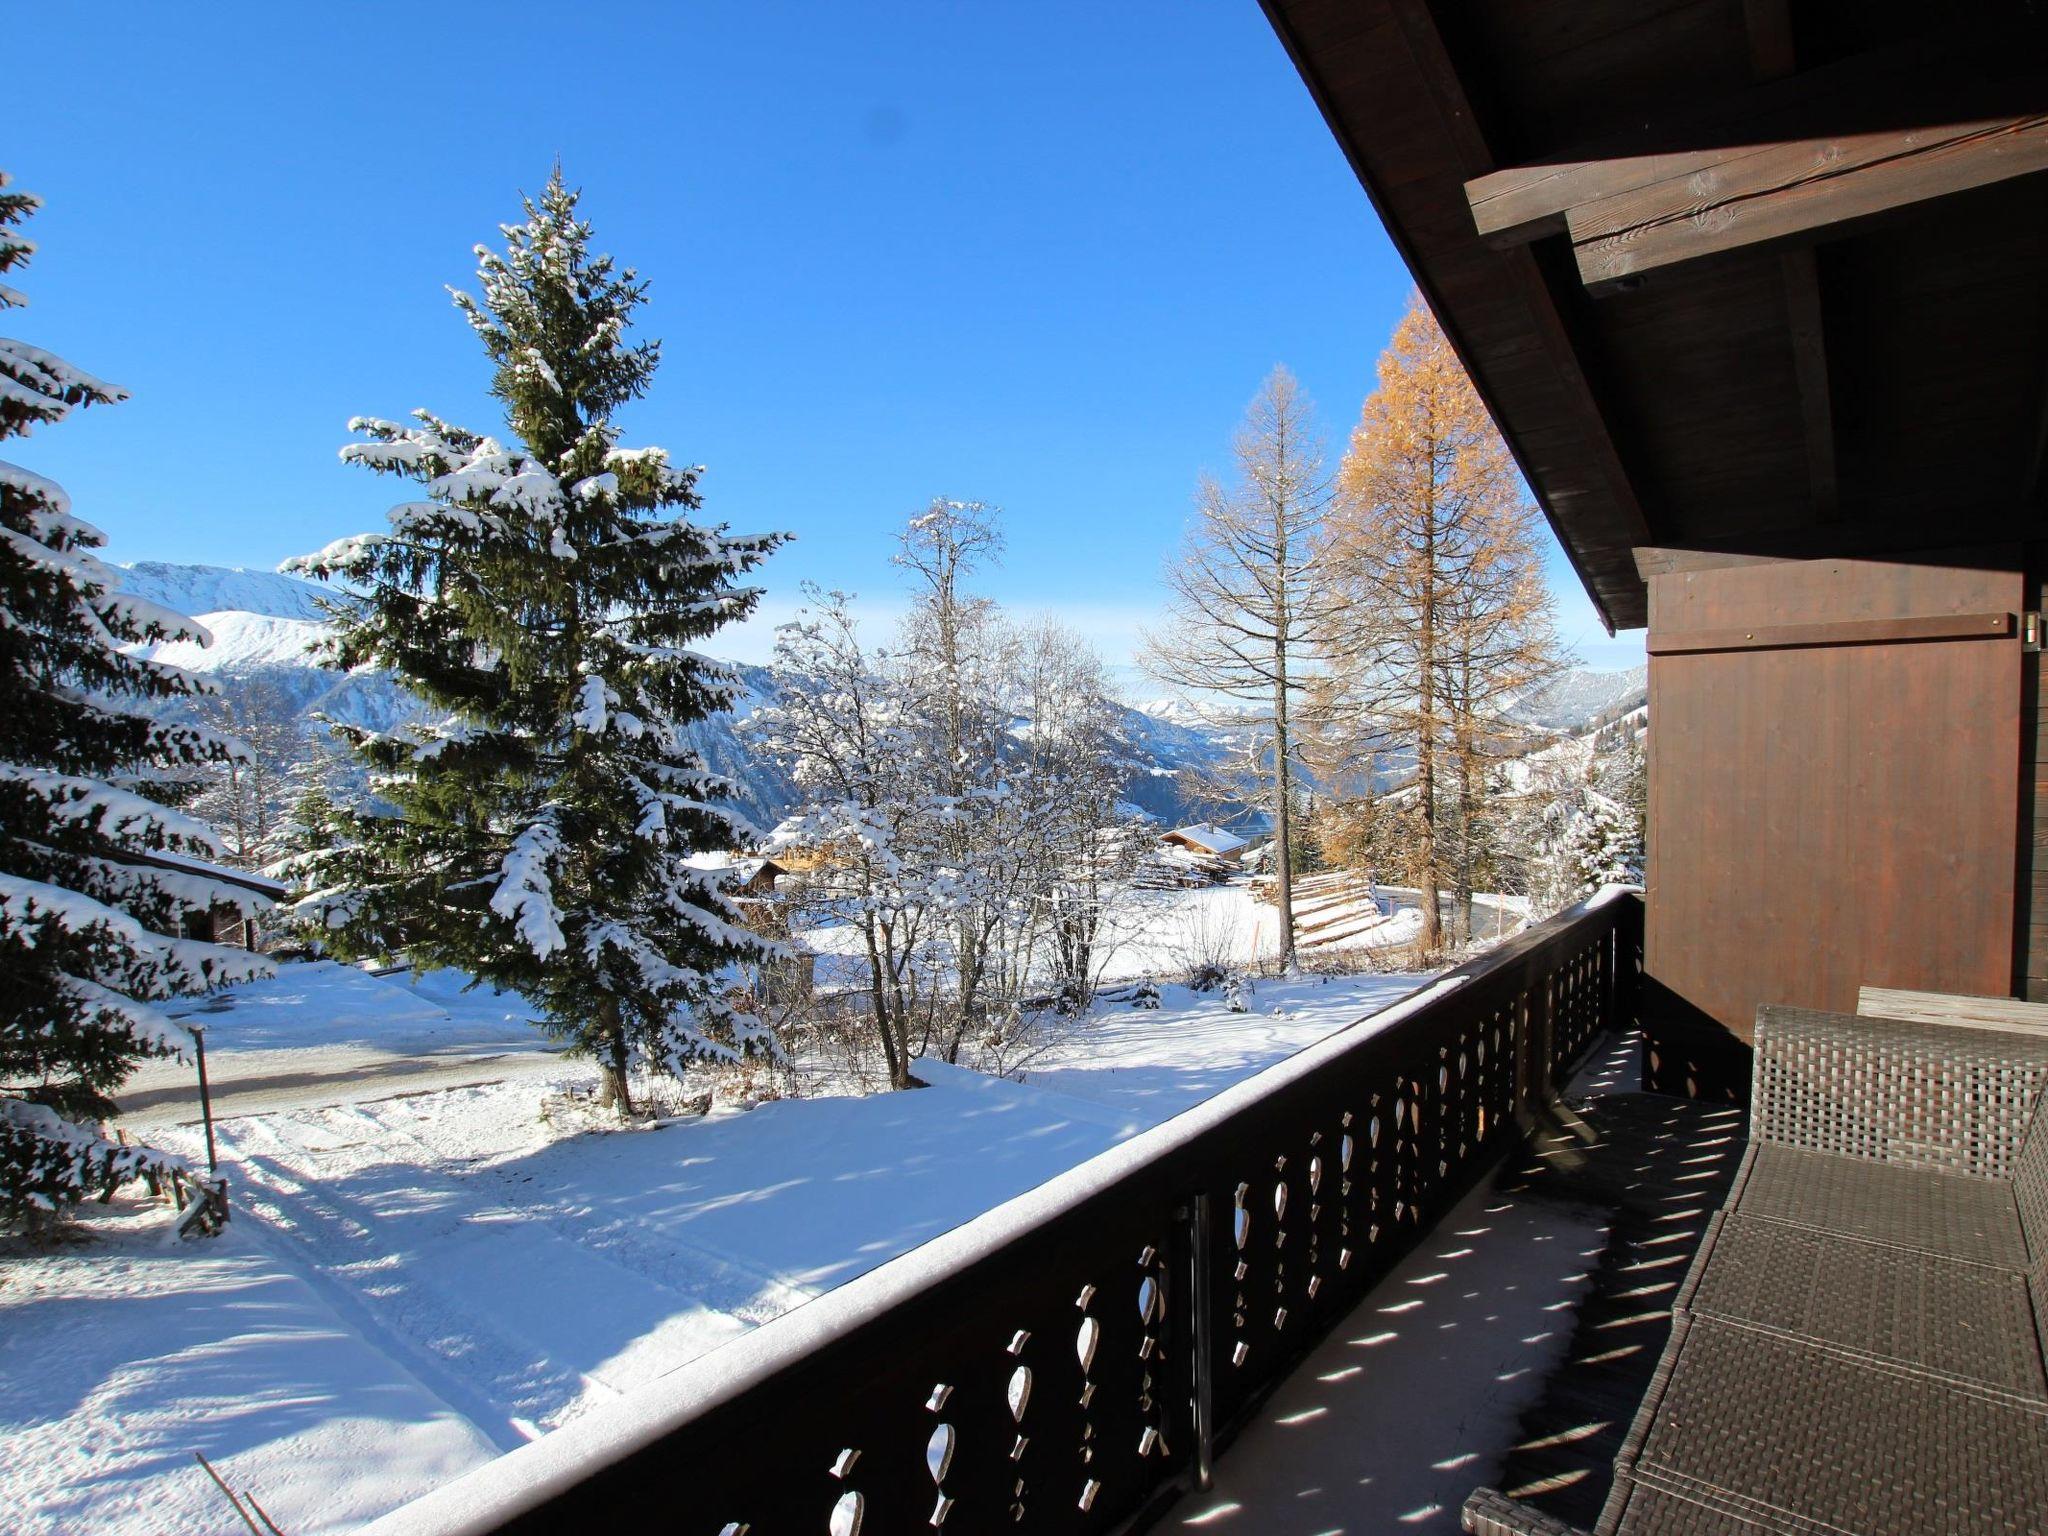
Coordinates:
(867, 833)
(247, 799)
(1250, 602)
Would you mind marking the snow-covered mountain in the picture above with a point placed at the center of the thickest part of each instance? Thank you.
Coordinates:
(197, 589)
(1582, 699)
(262, 626)
(263, 623)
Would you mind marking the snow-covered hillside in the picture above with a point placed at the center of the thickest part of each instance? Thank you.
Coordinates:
(263, 622)
(196, 589)
(1583, 698)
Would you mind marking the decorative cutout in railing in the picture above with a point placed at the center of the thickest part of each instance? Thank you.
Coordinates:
(1063, 1364)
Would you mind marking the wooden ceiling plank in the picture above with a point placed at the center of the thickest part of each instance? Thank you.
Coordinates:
(1768, 26)
(1773, 55)
(1793, 191)
(1810, 367)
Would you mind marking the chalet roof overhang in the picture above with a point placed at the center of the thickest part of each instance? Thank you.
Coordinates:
(1740, 278)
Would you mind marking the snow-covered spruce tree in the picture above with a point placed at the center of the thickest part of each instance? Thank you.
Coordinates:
(545, 594)
(1579, 840)
(90, 928)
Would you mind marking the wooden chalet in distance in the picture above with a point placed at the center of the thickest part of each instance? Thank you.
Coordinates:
(223, 923)
(1208, 841)
(1757, 291)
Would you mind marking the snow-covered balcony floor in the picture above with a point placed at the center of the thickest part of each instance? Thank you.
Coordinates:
(1511, 1348)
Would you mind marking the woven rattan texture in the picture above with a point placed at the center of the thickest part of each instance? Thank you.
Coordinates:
(2030, 1192)
(1655, 1512)
(2030, 1188)
(1855, 1348)
(1924, 1095)
(1945, 1213)
(1492, 1513)
(1968, 1320)
(1773, 1424)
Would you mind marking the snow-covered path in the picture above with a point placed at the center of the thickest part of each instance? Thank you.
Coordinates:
(323, 1033)
(124, 1358)
(262, 1083)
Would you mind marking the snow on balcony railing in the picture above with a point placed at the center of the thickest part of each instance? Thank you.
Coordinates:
(1071, 1359)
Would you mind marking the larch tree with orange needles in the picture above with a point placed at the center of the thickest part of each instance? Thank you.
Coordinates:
(1446, 616)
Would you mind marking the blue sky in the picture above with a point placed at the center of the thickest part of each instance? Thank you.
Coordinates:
(1035, 253)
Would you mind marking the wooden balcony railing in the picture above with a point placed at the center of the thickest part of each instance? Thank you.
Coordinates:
(1071, 1360)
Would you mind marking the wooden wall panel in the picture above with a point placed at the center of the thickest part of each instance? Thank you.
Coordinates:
(2030, 947)
(1823, 816)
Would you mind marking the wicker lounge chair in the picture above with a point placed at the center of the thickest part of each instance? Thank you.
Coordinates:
(1858, 1346)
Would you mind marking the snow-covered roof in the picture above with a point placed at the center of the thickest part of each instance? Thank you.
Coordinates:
(248, 880)
(742, 866)
(1206, 836)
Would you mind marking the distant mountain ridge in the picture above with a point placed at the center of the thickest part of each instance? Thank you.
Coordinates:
(197, 589)
(1583, 699)
(263, 622)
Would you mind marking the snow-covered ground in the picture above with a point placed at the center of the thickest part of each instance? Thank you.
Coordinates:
(124, 1357)
(1164, 933)
(414, 1284)
(1154, 1064)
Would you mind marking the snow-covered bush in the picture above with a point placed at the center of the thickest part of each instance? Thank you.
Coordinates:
(98, 882)
(1209, 946)
(1586, 841)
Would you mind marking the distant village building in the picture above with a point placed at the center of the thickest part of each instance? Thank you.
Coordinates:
(221, 924)
(750, 879)
(1204, 837)
(742, 874)
(1191, 856)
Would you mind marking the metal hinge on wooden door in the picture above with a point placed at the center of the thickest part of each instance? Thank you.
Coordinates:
(2030, 631)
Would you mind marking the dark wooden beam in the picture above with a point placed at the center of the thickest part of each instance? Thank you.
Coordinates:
(1773, 637)
(1966, 76)
(1773, 55)
(1988, 540)
(1767, 196)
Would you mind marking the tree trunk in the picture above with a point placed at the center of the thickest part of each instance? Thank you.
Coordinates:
(1428, 877)
(1283, 743)
(615, 1093)
(1283, 829)
(891, 1056)
(1461, 887)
